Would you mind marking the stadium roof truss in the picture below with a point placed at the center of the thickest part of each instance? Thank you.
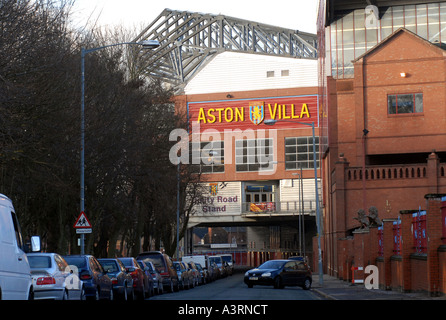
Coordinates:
(190, 40)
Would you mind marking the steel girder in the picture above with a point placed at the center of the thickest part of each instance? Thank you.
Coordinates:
(189, 40)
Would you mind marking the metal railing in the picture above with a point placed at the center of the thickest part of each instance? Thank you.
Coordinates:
(280, 207)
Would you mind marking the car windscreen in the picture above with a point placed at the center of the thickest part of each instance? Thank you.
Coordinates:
(157, 261)
(109, 266)
(128, 262)
(39, 262)
(227, 258)
(271, 265)
(217, 260)
(79, 262)
(149, 265)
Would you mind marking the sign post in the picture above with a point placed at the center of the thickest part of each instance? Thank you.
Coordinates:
(82, 226)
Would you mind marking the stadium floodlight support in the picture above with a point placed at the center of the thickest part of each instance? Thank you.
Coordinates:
(189, 40)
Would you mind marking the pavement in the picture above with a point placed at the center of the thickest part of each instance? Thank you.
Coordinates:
(333, 288)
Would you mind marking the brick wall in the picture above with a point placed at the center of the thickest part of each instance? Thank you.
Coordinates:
(406, 270)
(361, 103)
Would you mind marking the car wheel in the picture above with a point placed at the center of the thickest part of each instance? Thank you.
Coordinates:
(83, 296)
(143, 293)
(95, 297)
(31, 294)
(111, 297)
(125, 295)
(250, 285)
(307, 284)
(131, 296)
(278, 283)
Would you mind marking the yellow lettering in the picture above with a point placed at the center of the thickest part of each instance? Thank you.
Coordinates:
(284, 112)
(211, 116)
(293, 116)
(304, 111)
(271, 113)
(201, 116)
(231, 115)
(219, 113)
(239, 114)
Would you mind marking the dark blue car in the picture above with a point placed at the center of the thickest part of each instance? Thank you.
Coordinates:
(96, 284)
(122, 281)
(280, 273)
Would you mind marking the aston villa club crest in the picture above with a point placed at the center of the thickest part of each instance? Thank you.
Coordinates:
(256, 112)
(213, 188)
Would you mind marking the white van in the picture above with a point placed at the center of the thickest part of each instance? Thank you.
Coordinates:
(201, 259)
(15, 274)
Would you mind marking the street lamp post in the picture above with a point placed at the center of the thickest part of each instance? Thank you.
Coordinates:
(318, 224)
(146, 44)
(178, 210)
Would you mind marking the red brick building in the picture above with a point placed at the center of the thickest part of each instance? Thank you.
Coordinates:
(383, 93)
(256, 178)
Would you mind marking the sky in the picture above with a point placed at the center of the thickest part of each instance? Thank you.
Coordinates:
(292, 14)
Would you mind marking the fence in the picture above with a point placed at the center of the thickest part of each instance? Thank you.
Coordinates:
(280, 207)
(409, 250)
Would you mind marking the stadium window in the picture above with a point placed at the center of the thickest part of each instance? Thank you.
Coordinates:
(405, 103)
(253, 154)
(211, 157)
(299, 153)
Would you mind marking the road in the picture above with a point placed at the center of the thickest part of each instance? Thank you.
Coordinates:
(233, 288)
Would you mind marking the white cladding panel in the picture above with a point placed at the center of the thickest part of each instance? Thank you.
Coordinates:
(233, 71)
(226, 201)
(290, 188)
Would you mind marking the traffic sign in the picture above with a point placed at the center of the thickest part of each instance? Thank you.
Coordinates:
(82, 222)
(84, 230)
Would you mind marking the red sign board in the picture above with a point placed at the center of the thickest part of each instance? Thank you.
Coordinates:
(252, 113)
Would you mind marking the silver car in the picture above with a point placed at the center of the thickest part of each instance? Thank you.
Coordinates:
(49, 272)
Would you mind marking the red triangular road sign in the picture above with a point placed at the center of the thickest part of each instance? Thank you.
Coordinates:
(82, 221)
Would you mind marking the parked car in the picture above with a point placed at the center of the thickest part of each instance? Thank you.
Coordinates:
(213, 271)
(195, 273)
(122, 281)
(221, 271)
(280, 273)
(184, 274)
(145, 269)
(96, 284)
(15, 276)
(156, 276)
(228, 259)
(297, 258)
(140, 281)
(227, 268)
(49, 272)
(203, 274)
(164, 265)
